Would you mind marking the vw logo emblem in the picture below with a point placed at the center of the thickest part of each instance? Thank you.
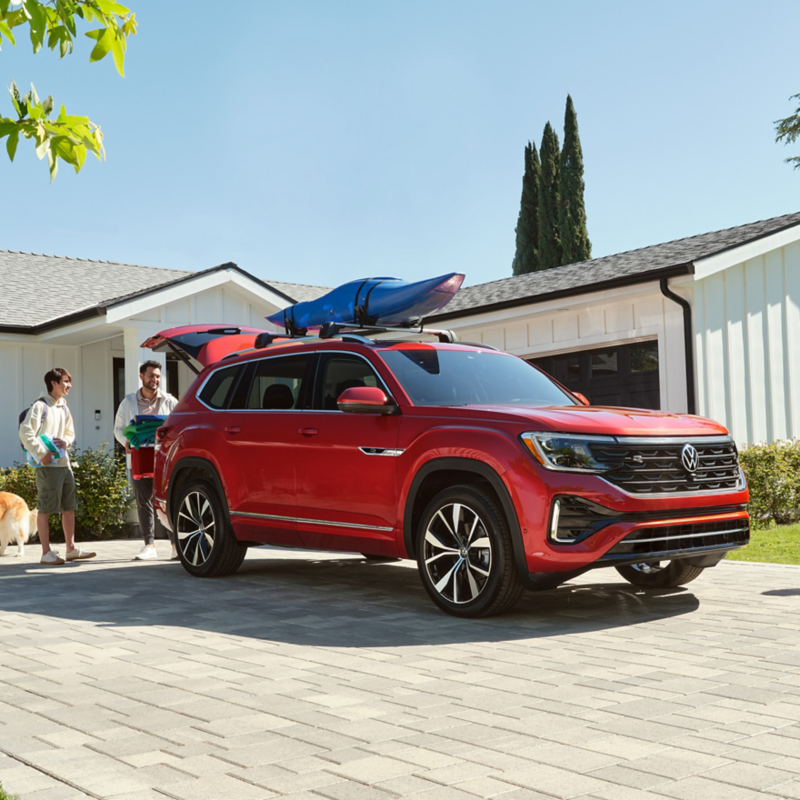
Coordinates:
(689, 458)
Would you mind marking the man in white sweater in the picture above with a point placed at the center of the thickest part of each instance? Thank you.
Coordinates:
(55, 483)
(147, 400)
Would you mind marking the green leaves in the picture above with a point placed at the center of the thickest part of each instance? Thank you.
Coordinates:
(53, 23)
(67, 138)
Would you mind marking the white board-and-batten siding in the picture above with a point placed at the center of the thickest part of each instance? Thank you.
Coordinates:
(747, 346)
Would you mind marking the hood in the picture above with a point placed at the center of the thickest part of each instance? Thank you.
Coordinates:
(599, 420)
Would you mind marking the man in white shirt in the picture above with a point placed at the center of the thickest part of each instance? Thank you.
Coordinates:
(147, 400)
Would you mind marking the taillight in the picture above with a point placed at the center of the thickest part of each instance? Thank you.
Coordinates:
(161, 434)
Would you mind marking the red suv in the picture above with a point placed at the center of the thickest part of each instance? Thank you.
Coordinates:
(490, 474)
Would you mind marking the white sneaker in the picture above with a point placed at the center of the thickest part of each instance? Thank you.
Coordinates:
(51, 558)
(147, 553)
(174, 556)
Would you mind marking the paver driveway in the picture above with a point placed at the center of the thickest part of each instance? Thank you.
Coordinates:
(313, 675)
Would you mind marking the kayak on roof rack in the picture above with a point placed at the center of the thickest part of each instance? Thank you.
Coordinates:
(371, 301)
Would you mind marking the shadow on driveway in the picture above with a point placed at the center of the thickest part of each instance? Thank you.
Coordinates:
(304, 599)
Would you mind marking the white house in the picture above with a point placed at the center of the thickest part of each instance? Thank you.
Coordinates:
(709, 324)
(91, 316)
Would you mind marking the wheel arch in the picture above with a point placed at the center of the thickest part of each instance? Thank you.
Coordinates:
(186, 470)
(440, 473)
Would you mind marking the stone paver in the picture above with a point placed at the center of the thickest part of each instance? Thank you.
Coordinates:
(317, 675)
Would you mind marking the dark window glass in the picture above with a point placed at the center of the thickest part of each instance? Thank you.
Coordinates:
(278, 383)
(573, 367)
(644, 357)
(344, 372)
(218, 387)
(465, 377)
(604, 363)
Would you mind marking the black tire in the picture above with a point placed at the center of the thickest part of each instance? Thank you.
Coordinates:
(462, 579)
(655, 575)
(206, 543)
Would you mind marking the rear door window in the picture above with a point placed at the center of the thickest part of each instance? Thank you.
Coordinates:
(280, 384)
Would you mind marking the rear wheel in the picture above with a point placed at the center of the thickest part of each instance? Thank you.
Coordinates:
(206, 544)
(659, 574)
(464, 554)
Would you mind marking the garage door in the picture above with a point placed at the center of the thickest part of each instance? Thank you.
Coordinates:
(626, 375)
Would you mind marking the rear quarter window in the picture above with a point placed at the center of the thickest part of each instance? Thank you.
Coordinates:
(218, 387)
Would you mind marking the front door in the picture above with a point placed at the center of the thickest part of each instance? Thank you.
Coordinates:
(346, 465)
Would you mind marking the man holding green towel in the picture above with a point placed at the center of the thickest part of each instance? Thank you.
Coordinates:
(47, 436)
(147, 400)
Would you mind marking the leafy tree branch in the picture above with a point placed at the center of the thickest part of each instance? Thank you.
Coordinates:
(788, 131)
(54, 23)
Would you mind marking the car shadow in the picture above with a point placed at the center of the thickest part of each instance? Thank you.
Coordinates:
(781, 592)
(305, 599)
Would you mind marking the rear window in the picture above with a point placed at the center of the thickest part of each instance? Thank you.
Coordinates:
(472, 377)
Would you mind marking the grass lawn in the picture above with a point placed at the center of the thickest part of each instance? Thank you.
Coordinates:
(5, 796)
(778, 545)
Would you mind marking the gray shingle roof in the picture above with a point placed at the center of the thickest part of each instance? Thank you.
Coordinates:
(41, 289)
(633, 266)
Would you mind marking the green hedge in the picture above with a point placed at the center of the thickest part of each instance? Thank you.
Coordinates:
(103, 492)
(773, 475)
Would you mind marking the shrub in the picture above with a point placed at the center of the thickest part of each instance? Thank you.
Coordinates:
(773, 476)
(103, 491)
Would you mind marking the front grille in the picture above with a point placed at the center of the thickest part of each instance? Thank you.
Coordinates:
(671, 540)
(642, 466)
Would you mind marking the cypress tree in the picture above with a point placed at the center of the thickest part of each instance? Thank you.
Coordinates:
(526, 256)
(572, 230)
(549, 241)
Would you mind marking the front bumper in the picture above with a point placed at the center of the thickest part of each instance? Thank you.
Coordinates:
(600, 525)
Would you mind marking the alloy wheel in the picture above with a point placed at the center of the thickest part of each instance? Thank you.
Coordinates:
(457, 553)
(196, 528)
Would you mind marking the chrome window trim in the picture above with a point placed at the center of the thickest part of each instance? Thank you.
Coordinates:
(309, 521)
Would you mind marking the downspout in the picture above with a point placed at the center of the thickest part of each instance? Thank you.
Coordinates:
(687, 343)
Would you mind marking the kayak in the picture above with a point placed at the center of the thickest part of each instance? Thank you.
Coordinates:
(372, 302)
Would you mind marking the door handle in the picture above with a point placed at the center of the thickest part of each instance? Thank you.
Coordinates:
(233, 430)
(309, 431)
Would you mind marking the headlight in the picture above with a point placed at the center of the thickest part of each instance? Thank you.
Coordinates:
(566, 452)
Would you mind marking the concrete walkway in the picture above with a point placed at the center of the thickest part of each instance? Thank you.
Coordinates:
(313, 675)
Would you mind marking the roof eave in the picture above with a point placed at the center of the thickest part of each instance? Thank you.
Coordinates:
(613, 283)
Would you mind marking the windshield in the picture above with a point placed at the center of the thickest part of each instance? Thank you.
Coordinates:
(433, 377)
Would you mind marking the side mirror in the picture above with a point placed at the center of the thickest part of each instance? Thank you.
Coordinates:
(582, 398)
(366, 400)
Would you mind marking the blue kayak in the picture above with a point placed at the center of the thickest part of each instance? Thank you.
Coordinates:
(372, 301)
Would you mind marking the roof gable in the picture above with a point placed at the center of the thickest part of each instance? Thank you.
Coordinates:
(43, 291)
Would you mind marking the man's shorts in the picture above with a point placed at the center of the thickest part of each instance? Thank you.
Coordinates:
(56, 488)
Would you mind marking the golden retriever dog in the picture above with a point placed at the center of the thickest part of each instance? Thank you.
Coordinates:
(17, 522)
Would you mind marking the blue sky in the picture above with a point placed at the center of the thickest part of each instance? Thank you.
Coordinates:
(317, 142)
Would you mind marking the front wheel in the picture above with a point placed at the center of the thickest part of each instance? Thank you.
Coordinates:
(464, 554)
(206, 544)
(659, 575)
